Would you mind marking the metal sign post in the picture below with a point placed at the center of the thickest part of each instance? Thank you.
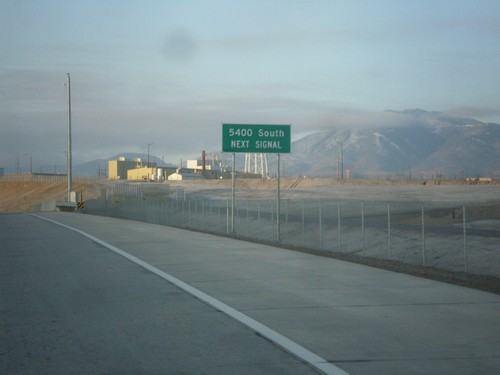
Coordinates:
(252, 138)
(233, 193)
(68, 164)
(278, 206)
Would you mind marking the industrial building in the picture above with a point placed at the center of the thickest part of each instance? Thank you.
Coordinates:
(117, 169)
(214, 168)
(135, 170)
(180, 176)
(144, 174)
(197, 164)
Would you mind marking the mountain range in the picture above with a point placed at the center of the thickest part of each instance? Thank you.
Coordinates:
(416, 144)
(411, 144)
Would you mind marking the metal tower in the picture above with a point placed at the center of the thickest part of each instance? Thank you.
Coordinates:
(257, 164)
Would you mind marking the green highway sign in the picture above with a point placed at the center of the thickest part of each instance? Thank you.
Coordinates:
(249, 138)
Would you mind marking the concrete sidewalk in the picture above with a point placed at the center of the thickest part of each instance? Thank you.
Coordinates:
(361, 319)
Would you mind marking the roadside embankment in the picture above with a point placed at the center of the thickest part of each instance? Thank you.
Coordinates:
(25, 196)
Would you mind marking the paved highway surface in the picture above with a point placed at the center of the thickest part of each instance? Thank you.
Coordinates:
(120, 297)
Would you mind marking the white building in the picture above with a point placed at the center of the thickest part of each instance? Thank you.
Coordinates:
(178, 176)
(198, 165)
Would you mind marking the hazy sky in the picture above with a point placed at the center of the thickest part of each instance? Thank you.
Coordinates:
(170, 72)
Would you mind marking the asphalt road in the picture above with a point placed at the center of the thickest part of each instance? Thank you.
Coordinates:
(70, 304)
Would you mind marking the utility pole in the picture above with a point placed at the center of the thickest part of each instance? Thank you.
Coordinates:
(341, 159)
(18, 165)
(31, 162)
(149, 144)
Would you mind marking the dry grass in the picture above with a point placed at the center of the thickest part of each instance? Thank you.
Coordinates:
(25, 196)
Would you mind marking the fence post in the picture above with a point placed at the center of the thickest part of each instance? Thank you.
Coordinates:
(338, 226)
(286, 220)
(258, 220)
(363, 225)
(303, 225)
(423, 236)
(183, 213)
(227, 216)
(248, 217)
(273, 232)
(236, 218)
(320, 228)
(171, 213)
(219, 220)
(465, 238)
(389, 228)
(195, 214)
(189, 213)
(171, 216)
(203, 224)
(177, 220)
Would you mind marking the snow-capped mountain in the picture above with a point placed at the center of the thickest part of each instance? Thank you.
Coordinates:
(423, 145)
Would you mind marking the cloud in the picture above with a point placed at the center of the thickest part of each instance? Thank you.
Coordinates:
(29, 89)
(356, 118)
(179, 129)
(40, 134)
(289, 39)
(180, 126)
(474, 112)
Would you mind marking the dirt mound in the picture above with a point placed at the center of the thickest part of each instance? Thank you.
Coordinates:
(25, 196)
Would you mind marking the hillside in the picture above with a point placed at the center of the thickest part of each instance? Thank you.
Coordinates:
(413, 144)
(25, 196)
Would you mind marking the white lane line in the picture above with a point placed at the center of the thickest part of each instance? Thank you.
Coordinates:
(288, 345)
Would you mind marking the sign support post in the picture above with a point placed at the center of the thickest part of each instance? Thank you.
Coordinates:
(233, 191)
(69, 162)
(278, 207)
(251, 138)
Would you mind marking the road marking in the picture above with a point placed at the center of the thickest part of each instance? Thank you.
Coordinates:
(288, 345)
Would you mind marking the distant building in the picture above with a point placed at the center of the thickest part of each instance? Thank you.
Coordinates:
(136, 170)
(117, 169)
(149, 174)
(197, 164)
(180, 176)
(212, 168)
(142, 174)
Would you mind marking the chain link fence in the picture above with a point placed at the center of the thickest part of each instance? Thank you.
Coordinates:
(441, 235)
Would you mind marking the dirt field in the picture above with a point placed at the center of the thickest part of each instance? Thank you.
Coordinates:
(373, 190)
(26, 196)
(482, 200)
